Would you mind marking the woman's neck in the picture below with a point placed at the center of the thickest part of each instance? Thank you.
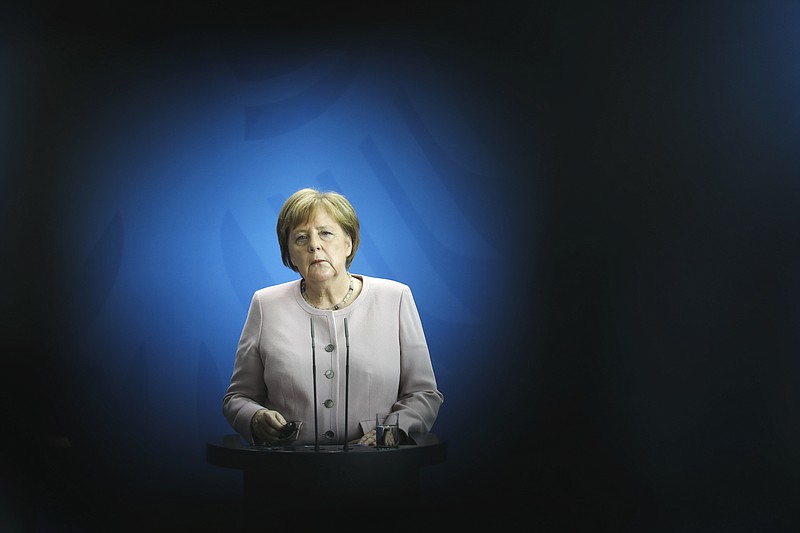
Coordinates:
(329, 294)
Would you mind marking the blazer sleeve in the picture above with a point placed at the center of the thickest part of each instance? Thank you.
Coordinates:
(419, 398)
(247, 391)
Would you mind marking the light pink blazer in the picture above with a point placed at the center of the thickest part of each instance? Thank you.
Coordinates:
(390, 366)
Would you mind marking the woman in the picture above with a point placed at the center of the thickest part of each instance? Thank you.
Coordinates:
(390, 366)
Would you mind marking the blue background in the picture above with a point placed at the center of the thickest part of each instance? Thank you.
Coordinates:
(595, 207)
(168, 242)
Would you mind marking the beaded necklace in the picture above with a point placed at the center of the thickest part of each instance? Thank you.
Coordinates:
(335, 307)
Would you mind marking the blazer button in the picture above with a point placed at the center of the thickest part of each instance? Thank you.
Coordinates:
(329, 348)
(329, 374)
(329, 434)
(328, 403)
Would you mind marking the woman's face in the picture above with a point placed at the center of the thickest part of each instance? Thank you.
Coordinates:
(319, 247)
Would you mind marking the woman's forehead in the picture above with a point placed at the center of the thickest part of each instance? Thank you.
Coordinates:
(313, 217)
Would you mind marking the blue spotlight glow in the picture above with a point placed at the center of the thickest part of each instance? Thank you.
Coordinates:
(174, 196)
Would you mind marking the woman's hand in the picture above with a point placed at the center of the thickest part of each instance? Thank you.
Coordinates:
(266, 425)
(368, 439)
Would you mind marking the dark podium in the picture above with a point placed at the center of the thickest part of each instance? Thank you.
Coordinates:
(293, 476)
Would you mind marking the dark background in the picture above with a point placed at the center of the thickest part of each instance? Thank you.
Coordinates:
(658, 392)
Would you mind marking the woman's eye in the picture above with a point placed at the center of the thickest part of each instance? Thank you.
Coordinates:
(301, 238)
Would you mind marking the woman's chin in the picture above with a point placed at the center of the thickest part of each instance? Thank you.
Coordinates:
(319, 275)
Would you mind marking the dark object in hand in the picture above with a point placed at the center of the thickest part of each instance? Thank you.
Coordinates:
(290, 430)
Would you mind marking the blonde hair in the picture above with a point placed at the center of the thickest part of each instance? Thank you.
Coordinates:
(298, 209)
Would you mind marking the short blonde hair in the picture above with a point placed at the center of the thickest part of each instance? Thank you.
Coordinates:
(299, 207)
